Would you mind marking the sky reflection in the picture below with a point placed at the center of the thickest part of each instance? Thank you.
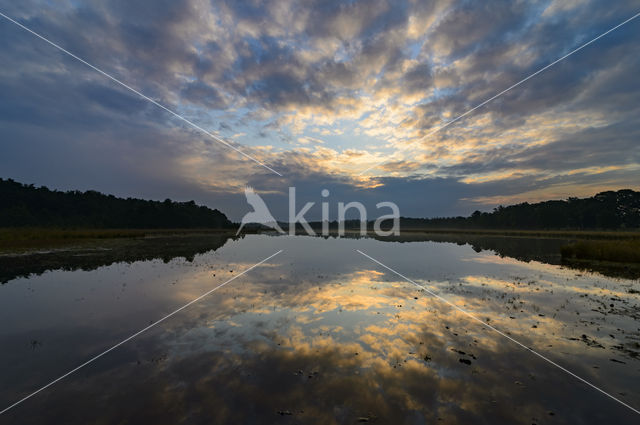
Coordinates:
(321, 335)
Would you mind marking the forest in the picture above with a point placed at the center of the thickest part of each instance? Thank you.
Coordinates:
(24, 205)
(611, 210)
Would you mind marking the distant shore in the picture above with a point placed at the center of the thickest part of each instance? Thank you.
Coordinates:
(615, 253)
(28, 238)
(578, 234)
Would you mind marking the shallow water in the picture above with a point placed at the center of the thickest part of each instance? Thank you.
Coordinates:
(321, 334)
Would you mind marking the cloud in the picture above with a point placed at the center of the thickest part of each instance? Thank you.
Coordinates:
(371, 78)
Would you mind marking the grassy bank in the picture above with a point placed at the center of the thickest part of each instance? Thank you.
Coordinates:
(569, 234)
(21, 239)
(620, 251)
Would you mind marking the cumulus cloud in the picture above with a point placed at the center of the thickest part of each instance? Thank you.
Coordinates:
(321, 90)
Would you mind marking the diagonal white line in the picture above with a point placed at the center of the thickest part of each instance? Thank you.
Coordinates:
(499, 332)
(448, 123)
(136, 334)
(175, 114)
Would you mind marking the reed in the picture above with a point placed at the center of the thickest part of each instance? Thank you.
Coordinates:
(619, 251)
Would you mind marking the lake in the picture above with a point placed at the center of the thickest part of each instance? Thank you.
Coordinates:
(317, 334)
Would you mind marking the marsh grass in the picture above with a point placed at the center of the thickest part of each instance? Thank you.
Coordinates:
(568, 234)
(619, 251)
(18, 239)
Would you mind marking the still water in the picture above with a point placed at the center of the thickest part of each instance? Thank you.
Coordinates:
(318, 334)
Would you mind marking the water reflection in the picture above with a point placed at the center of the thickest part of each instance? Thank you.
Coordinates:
(543, 249)
(107, 252)
(321, 335)
(166, 248)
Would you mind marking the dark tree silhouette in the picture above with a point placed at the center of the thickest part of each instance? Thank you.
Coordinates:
(612, 210)
(26, 205)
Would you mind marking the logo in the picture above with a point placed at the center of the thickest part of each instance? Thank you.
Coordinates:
(262, 215)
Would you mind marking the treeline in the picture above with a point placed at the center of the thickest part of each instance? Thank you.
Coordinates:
(611, 210)
(29, 206)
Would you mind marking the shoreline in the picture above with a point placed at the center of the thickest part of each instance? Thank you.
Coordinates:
(611, 252)
(25, 240)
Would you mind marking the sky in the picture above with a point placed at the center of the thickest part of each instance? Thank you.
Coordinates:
(321, 91)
